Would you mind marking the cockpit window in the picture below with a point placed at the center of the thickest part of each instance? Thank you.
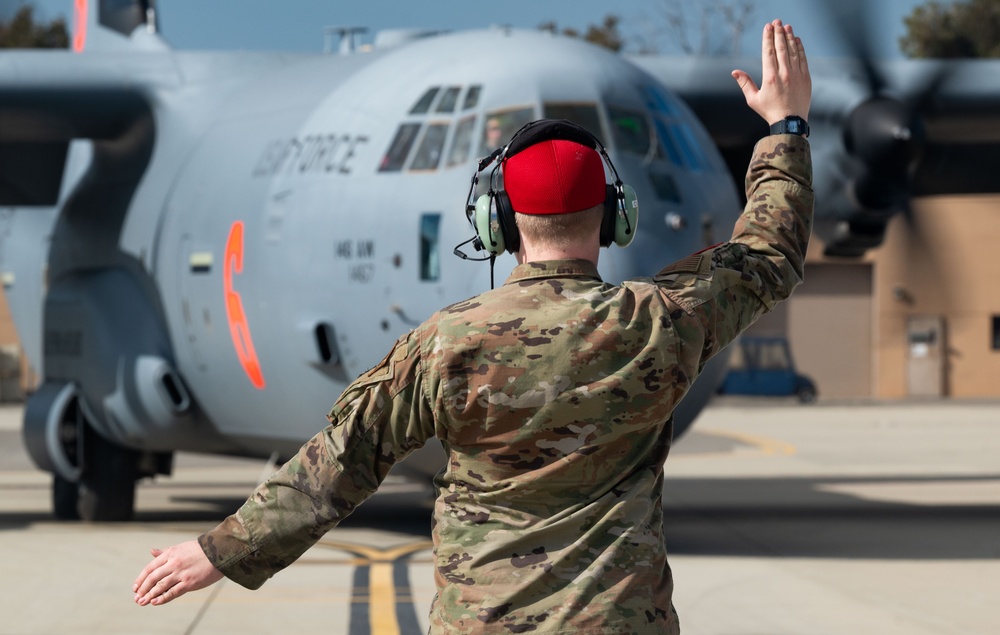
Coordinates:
(429, 153)
(584, 115)
(657, 101)
(501, 126)
(449, 99)
(630, 130)
(399, 149)
(690, 149)
(472, 97)
(424, 103)
(462, 143)
(667, 148)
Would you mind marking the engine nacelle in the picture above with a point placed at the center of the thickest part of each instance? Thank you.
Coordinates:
(52, 433)
(105, 336)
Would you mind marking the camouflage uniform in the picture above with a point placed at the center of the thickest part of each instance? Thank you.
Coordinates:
(553, 398)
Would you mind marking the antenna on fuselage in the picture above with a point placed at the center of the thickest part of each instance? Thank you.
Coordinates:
(347, 40)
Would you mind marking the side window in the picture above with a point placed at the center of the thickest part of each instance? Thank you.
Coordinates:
(501, 126)
(424, 103)
(462, 143)
(667, 149)
(658, 102)
(689, 146)
(399, 149)
(584, 115)
(665, 186)
(429, 153)
(430, 253)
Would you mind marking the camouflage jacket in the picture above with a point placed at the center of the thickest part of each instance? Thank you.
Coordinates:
(552, 396)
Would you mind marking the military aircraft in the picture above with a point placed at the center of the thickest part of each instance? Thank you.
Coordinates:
(201, 250)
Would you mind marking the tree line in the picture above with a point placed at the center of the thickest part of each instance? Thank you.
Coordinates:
(23, 32)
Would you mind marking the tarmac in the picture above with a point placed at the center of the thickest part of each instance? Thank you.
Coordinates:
(782, 519)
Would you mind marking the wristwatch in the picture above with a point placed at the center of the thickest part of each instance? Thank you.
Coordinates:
(791, 125)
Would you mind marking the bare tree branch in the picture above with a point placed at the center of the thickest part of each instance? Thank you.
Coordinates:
(695, 28)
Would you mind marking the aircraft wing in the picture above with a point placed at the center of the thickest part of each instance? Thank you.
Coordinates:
(48, 98)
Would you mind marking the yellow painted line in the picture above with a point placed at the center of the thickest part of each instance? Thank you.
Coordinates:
(382, 603)
(381, 585)
(767, 446)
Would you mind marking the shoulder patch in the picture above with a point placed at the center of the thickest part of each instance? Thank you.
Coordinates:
(692, 264)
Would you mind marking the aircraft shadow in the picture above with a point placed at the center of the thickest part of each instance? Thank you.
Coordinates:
(798, 518)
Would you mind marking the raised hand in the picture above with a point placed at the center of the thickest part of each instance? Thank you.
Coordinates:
(786, 86)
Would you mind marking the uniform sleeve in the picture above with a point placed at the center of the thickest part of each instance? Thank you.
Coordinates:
(377, 421)
(723, 290)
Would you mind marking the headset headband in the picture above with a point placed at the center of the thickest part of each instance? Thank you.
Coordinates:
(548, 130)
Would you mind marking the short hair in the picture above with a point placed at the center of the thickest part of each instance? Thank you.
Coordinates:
(560, 230)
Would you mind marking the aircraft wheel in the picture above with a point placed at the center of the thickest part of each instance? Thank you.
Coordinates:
(107, 486)
(65, 498)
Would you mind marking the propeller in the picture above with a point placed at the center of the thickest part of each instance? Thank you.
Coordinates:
(883, 138)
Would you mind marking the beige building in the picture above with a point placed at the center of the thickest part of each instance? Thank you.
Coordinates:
(13, 365)
(918, 317)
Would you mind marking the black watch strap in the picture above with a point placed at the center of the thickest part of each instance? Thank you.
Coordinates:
(791, 125)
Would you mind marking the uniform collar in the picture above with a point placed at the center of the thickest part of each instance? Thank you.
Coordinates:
(541, 269)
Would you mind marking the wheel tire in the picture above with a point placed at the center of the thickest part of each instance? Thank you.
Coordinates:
(806, 393)
(65, 498)
(107, 486)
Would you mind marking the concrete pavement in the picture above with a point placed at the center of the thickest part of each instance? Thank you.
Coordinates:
(781, 519)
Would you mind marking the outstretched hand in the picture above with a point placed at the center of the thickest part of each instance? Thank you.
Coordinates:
(786, 86)
(173, 572)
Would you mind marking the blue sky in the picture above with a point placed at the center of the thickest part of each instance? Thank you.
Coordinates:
(297, 25)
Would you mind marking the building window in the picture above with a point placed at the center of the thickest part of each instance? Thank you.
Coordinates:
(996, 332)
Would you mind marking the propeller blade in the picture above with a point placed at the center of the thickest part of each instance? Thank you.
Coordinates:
(849, 20)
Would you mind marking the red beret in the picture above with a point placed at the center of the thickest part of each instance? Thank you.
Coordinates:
(554, 177)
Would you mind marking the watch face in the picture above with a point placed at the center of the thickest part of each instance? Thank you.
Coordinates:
(791, 125)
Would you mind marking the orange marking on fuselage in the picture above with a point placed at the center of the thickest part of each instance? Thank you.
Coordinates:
(79, 25)
(238, 326)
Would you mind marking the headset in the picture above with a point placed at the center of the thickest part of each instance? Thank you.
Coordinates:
(492, 215)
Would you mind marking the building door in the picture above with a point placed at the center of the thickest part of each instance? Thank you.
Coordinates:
(925, 370)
